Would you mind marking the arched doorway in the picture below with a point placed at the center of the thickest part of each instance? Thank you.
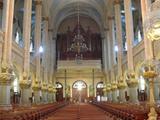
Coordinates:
(99, 91)
(79, 91)
(59, 92)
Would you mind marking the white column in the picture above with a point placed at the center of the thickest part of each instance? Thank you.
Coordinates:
(111, 40)
(105, 54)
(6, 68)
(119, 41)
(46, 54)
(24, 83)
(37, 39)
(156, 90)
(145, 4)
(112, 53)
(130, 38)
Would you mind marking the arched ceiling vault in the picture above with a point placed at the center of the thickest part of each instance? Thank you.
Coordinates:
(59, 10)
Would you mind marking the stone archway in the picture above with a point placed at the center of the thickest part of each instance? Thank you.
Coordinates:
(79, 91)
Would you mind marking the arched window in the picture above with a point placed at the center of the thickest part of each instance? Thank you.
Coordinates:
(100, 85)
(79, 85)
(59, 85)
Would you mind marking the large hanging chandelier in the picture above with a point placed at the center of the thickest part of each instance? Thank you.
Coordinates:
(152, 22)
(78, 43)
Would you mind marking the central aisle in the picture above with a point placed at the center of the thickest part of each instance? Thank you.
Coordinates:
(76, 112)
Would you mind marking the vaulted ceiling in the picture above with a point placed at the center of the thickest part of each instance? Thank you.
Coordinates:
(59, 10)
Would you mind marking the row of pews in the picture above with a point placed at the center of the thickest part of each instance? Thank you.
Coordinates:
(37, 112)
(124, 111)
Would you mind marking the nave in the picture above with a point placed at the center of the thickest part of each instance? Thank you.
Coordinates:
(80, 112)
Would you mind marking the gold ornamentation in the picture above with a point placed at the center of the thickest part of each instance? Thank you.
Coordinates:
(44, 87)
(6, 78)
(131, 79)
(6, 75)
(24, 84)
(121, 85)
(152, 115)
(36, 86)
(132, 83)
(149, 74)
(50, 89)
(108, 87)
(114, 86)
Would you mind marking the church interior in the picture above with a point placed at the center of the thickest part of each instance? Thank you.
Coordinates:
(79, 59)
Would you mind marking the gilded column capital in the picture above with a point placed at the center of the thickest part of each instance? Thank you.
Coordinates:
(6, 75)
(38, 2)
(25, 83)
(116, 2)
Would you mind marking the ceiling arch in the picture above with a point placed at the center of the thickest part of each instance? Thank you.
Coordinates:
(59, 10)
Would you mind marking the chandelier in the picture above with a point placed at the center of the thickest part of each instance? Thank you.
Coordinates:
(78, 43)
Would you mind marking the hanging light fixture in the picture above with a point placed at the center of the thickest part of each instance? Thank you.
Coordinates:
(78, 43)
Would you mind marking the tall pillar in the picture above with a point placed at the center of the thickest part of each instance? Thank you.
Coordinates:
(38, 18)
(145, 4)
(120, 52)
(53, 77)
(132, 82)
(24, 83)
(112, 56)
(111, 40)
(6, 68)
(46, 58)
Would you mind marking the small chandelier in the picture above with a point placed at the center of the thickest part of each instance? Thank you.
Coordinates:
(152, 23)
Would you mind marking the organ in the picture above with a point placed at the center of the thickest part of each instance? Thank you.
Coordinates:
(91, 44)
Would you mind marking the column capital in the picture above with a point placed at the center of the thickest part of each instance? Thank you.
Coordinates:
(110, 17)
(38, 2)
(116, 2)
(45, 18)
